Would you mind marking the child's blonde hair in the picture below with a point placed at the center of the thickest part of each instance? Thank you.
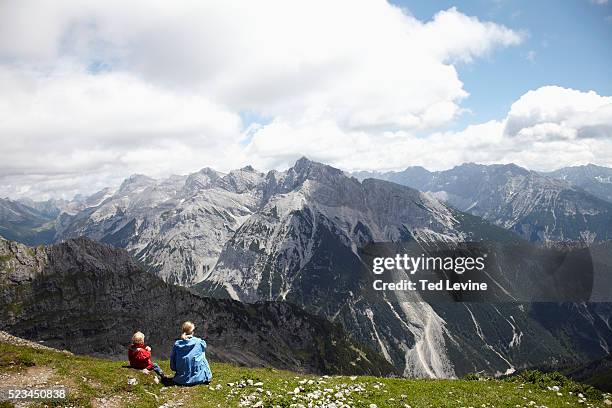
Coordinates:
(187, 329)
(138, 338)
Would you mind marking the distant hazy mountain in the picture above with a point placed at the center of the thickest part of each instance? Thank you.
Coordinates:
(48, 208)
(35, 222)
(89, 298)
(537, 207)
(25, 223)
(597, 180)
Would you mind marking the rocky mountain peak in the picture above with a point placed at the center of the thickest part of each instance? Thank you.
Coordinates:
(202, 179)
(210, 172)
(305, 169)
(302, 163)
(417, 169)
(245, 179)
(514, 168)
(249, 169)
(135, 183)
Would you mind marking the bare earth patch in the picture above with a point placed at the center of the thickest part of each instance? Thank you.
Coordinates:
(112, 402)
(31, 377)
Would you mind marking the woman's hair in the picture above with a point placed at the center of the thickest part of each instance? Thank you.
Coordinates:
(138, 338)
(187, 329)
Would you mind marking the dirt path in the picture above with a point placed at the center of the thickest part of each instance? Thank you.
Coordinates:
(31, 377)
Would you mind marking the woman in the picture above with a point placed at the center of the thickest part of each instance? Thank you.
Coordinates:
(188, 359)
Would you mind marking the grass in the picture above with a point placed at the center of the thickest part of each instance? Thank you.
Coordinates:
(89, 380)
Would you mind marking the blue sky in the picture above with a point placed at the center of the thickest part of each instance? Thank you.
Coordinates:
(571, 41)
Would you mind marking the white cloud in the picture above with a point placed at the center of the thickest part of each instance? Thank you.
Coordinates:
(454, 36)
(100, 90)
(556, 112)
(545, 129)
(113, 87)
(68, 124)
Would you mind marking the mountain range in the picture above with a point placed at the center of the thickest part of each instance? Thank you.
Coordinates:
(536, 206)
(303, 245)
(298, 236)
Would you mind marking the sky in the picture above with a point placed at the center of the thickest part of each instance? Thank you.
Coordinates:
(91, 92)
(568, 44)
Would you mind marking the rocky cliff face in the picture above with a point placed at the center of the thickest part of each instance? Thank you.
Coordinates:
(89, 298)
(537, 207)
(318, 212)
(304, 245)
(174, 227)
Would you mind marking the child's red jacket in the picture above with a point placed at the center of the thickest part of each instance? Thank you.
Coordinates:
(139, 356)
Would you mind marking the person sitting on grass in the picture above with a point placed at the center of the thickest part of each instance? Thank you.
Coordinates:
(188, 358)
(140, 355)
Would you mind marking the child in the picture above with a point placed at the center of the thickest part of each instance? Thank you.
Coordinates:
(140, 355)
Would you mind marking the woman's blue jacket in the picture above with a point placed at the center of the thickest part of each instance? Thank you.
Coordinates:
(188, 360)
